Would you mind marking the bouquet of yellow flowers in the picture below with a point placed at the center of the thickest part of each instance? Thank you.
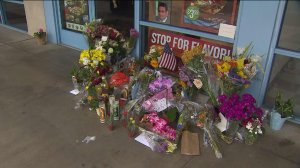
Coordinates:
(92, 57)
(154, 54)
(236, 73)
(189, 54)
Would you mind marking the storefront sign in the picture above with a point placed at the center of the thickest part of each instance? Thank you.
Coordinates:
(180, 43)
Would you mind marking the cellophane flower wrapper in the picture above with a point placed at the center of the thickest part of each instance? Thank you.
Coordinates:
(213, 82)
(201, 70)
(158, 143)
(159, 125)
(144, 78)
(236, 72)
(240, 111)
(230, 85)
(161, 83)
(192, 114)
(132, 40)
(82, 100)
(210, 133)
(151, 103)
(229, 135)
(212, 140)
(118, 79)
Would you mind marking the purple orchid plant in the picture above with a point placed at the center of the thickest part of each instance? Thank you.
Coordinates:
(160, 84)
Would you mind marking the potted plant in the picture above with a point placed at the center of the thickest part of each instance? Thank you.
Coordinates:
(40, 36)
(282, 111)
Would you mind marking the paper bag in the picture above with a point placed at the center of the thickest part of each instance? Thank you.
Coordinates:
(190, 143)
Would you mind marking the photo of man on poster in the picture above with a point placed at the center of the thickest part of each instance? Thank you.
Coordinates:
(162, 13)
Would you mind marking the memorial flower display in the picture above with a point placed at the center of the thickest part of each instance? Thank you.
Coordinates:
(158, 101)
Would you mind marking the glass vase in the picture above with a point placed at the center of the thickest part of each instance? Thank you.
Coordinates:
(250, 139)
(75, 83)
(233, 127)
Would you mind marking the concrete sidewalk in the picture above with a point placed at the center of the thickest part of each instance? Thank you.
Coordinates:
(39, 127)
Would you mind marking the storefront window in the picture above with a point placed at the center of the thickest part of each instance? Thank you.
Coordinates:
(290, 34)
(199, 15)
(284, 76)
(116, 13)
(74, 13)
(14, 15)
(180, 42)
(285, 79)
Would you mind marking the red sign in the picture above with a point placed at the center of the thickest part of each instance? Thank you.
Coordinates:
(180, 43)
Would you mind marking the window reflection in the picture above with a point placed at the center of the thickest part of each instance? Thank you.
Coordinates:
(290, 33)
(284, 78)
(116, 13)
(194, 14)
(15, 15)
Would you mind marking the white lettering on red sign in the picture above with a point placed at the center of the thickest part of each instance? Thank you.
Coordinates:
(180, 43)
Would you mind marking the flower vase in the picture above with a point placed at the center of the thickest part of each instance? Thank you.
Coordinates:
(41, 40)
(276, 122)
(232, 128)
(132, 128)
(250, 139)
(228, 135)
(110, 121)
(131, 132)
(75, 83)
(241, 134)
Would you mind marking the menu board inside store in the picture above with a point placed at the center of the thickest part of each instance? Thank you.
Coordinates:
(207, 15)
(75, 14)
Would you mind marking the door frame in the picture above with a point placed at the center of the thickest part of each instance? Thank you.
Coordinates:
(72, 38)
(53, 23)
(275, 50)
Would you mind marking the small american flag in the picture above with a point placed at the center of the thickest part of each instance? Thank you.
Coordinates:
(168, 60)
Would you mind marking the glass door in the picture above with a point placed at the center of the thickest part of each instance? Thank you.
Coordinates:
(74, 14)
(284, 74)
